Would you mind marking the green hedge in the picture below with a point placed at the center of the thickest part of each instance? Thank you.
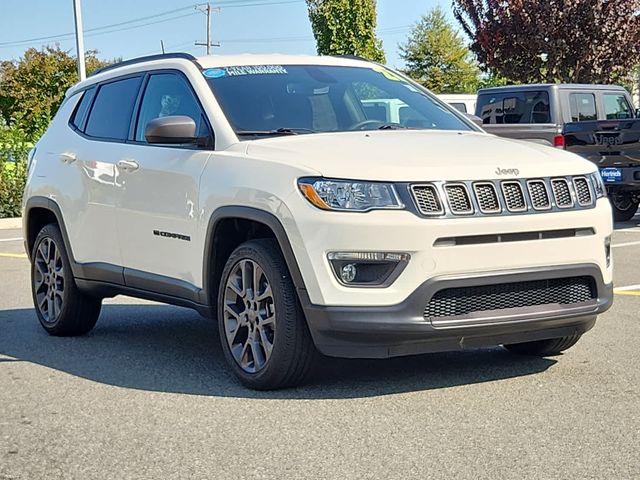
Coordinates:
(13, 174)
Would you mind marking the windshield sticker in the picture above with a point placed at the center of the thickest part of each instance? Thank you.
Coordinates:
(388, 74)
(214, 72)
(255, 70)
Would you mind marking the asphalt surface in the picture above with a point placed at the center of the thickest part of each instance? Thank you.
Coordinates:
(147, 395)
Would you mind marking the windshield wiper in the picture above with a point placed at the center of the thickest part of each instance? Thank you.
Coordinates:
(278, 131)
(393, 126)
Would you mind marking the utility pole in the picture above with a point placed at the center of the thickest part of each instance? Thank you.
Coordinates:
(79, 39)
(208, 11)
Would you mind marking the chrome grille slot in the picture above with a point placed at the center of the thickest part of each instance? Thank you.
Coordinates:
(427, 199)
(562, 193)
(539, 194)
(583, 192)
(514, 196)
(458, 198)
(487, 198)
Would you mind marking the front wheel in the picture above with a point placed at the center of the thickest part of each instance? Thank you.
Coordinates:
(62, 309)
(264, 335)
(624, 205)
(544, 348)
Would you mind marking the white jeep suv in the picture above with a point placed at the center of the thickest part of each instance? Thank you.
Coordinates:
(269, 192)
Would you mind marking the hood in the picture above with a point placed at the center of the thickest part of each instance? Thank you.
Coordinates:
(418, 155)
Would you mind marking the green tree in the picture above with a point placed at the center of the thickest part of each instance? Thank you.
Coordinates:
(437, 57)
(33, 87)
(569, 41)
(346, 27)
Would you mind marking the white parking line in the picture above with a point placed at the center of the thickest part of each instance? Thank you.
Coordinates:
(11, 239)
(627, 244)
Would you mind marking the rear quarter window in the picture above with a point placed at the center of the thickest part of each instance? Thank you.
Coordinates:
(80, 113)
(110, 115)
(514, 107)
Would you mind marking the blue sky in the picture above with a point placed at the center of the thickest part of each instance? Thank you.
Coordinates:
(241, 26)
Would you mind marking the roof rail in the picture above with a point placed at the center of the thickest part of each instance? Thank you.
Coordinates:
(148, 58)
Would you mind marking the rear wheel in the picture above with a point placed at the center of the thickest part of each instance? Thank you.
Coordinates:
(544, 348)
(624, 205)
(61, 308)
(263, 331)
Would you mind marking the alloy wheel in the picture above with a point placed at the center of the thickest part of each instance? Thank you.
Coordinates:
(49, 280)
(249, 316)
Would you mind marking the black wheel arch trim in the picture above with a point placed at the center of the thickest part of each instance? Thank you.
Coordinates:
(256, 215)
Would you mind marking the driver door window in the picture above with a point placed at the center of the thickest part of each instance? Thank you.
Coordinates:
(167, 94)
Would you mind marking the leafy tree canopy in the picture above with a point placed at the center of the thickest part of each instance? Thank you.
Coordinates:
(437, 57)
(33, 87)
(585, 41)
(346, 27)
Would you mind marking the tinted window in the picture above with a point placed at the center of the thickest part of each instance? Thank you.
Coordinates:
(259, 99)
(583, 107)
(514, 107)
(111, 112)
(165, 95)
(616, 106)
(459, 106)
(80, 114)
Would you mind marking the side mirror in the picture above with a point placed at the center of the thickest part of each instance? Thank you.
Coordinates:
(474, 119)
(637, 112)
(172, 130)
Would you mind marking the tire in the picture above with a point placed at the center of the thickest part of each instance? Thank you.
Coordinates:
(61, 308)
(544, 348)
(263, 331)
(624, 206)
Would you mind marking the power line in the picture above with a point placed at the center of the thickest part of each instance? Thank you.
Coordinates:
(65, 36)
(95, 29)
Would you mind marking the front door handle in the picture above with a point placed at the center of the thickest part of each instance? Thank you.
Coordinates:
(68, 157)
(128, 165)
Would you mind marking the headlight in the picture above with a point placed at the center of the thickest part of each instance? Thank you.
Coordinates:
(349, 195)
(598, 185)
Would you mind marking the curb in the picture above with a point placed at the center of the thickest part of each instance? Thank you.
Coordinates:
(10, 223)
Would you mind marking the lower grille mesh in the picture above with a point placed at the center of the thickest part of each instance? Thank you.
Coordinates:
(455, 302)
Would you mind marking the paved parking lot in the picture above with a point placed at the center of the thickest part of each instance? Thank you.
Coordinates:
(146, 395)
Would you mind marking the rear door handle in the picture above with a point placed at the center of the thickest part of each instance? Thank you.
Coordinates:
(128, 165)
(68, 158)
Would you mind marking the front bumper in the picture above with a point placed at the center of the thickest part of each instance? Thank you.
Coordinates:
(388, 331)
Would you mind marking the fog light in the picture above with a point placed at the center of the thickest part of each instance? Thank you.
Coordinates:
(348, 273)
(367, 269)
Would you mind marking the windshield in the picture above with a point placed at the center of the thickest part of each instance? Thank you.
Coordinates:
(294, 99)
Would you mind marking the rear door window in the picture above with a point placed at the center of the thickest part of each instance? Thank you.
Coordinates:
(111, 112)
(583, 107)
(616, 106)
(514, 107)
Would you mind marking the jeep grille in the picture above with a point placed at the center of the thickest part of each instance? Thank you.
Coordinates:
(503, 197)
